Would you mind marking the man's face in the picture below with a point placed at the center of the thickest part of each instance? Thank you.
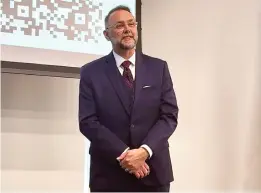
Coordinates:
(121, 30)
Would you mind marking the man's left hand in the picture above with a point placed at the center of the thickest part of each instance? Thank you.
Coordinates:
(134, 159)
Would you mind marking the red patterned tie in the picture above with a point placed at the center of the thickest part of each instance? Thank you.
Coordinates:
(128, 78)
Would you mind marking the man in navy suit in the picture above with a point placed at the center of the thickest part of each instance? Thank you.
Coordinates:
(128, 110)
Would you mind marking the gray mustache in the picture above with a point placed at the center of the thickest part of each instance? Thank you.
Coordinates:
(128, 37)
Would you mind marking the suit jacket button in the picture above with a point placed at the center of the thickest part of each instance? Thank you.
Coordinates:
(132, 126)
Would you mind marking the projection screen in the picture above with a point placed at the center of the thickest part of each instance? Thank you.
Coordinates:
(56, 32)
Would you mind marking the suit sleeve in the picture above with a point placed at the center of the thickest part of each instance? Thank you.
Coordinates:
(159, 134)
(101, 138)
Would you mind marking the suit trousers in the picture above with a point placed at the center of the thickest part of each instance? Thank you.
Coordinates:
(136, 188)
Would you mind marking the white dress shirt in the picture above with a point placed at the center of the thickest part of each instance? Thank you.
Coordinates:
(119, 60)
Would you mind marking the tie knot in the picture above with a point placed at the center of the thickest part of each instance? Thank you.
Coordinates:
(126, 64)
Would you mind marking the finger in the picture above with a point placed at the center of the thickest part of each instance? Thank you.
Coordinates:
(147, 166)
(141, 173)
(144, 170)
(122, 156)
(128, 154)
(137, 174)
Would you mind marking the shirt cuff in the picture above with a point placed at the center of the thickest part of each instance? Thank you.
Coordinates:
(148, 149)
(124, 152)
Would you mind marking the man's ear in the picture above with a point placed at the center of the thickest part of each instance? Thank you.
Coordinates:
(105, 33)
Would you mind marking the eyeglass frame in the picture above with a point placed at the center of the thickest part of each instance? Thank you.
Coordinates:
(120, 22)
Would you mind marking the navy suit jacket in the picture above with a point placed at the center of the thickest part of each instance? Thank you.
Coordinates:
(106, 119)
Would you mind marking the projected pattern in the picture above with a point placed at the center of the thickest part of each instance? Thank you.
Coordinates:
(77, 20)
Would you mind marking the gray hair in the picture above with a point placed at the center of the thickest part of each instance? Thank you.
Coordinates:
(119, 7)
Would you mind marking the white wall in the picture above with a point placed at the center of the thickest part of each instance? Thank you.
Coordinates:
(42, 148)
(212, 48)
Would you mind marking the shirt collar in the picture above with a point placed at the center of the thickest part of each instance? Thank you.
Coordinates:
(119, 60)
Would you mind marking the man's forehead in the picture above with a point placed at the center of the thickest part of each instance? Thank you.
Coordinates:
(120, 15)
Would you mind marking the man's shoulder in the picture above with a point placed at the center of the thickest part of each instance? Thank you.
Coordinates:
(93, 65)
(153, 59)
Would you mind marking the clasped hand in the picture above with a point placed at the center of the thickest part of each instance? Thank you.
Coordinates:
(133, 161)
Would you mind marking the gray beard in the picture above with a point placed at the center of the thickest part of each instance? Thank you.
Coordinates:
(128, 47)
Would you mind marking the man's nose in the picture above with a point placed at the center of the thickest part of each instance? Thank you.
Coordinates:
(126, 31)
(126, 26)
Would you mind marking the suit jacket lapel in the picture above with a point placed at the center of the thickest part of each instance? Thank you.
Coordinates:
(140, 76)
(115, 78)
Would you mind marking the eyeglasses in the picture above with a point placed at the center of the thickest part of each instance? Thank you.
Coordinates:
(121, 25)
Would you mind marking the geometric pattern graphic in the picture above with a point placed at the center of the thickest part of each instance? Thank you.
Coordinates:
(77, 20)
